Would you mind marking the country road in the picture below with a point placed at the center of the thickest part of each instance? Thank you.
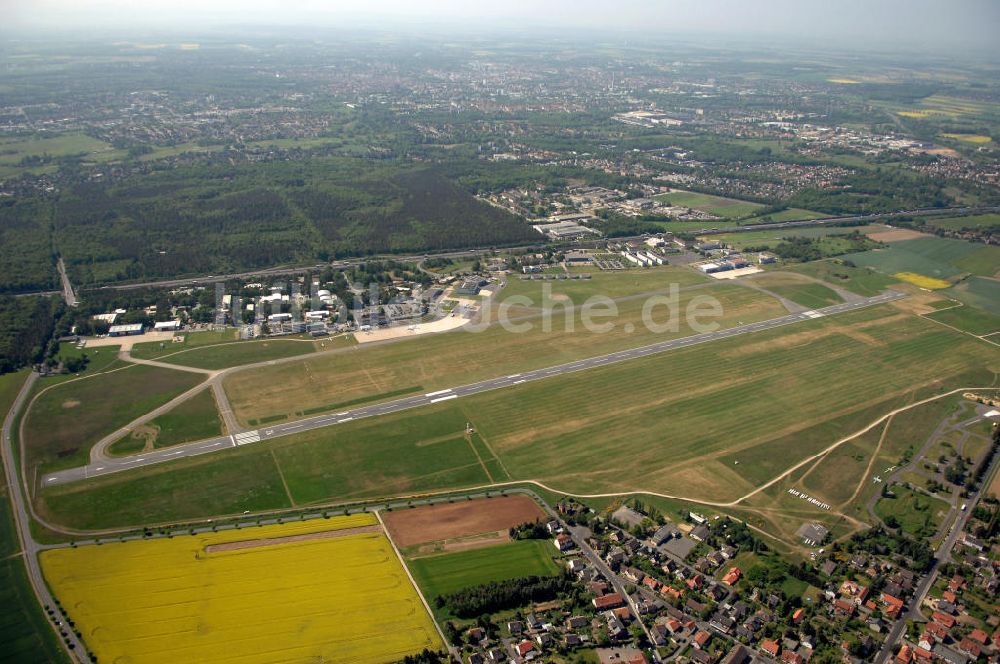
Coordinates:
(104, 465)
(29, 546)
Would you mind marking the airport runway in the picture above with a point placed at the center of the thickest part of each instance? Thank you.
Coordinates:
(114, 465)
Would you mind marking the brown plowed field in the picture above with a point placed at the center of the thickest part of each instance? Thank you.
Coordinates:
(459, 519)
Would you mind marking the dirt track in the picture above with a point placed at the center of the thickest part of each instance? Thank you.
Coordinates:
(459, 519)
(270, 541)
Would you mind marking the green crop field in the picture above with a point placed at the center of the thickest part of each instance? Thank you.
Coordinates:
(440, 361)
(195, 419)
(689, 199)
(774, 237)
(446, 573)
(24, 632)
(978, 292)
(917, 514)
(792, 214)
(958, 223)
(728, 208)
(969, 319)
(661, 423)
(12, 151)
(734, 210)
(66, 420)
(933, 257)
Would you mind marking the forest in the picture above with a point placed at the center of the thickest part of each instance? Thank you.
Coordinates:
(214, 218)
(26, 329)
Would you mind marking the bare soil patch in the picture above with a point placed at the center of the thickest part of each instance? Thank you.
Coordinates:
(460, 544)
(896, 235)
(446, 521)
(271, 541)
(70, 403)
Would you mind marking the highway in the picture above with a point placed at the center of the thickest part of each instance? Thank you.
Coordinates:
(106, 466)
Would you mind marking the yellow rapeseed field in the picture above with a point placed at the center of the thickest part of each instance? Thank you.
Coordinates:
(922, 280)
(969, 138)
(323, 598)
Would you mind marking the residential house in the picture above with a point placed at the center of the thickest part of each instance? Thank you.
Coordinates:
(770, 647)
(611, 601)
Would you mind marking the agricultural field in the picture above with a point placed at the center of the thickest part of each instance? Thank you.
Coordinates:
(786, 393)
(727, 208)
(440, 361)
(978, 292)
(449, 521)
(65, 420)
(43, 151)
(774, 237)
(791, 214)
(958, 223)
(922, 281)
(446, 573)
(935, 257)
(973, 139)
(195, 419)
(329, 590)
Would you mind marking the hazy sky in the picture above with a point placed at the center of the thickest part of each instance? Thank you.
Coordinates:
(931, 24)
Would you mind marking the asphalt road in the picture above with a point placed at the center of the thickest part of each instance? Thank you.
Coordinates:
(29, 546)
(67, 285)
(943, 554)
(114, 465)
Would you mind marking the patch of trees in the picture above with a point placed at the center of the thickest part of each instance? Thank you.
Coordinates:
(955, 472)
(502, 595)
(26, 252)
(526, 531)
(616, 225)
(805, 249)
(26, 329)
(426, 656)
(879, 541)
